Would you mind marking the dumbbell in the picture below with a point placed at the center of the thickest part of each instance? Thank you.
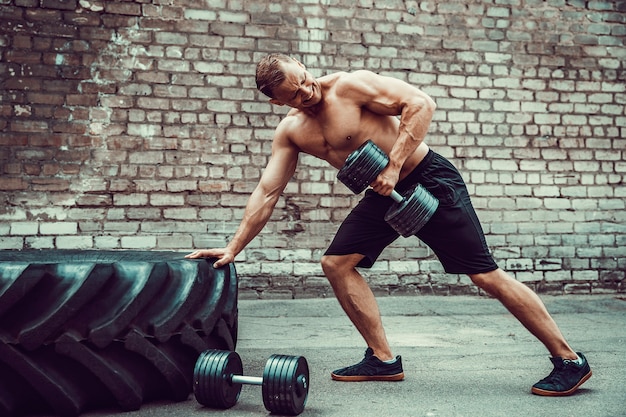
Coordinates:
(218, 377)
(410, 212)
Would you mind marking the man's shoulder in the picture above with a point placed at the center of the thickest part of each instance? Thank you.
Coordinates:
(345, 77)
(345, 82)
(290, 125)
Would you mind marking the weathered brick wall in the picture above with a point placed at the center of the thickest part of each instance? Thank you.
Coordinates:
(135, 125)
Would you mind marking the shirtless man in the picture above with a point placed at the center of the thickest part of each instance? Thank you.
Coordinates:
(332, 116)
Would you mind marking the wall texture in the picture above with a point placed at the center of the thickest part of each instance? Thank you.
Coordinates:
(134, 124)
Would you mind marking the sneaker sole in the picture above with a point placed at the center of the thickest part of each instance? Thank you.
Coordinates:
(362, 378)
(545, 393)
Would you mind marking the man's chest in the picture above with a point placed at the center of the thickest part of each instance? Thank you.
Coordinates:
(338, 126)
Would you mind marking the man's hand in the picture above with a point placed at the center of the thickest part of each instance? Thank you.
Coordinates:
(386, 181)
(224, 256)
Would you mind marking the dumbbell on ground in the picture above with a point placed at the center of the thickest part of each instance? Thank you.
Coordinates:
(410, 212)
(217, 381)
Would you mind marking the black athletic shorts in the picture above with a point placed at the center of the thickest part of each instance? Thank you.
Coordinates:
(453, 232)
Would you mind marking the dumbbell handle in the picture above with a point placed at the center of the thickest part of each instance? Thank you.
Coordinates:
(395, 196)
(250, 380)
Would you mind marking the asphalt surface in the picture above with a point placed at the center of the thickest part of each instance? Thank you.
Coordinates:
(462, 356)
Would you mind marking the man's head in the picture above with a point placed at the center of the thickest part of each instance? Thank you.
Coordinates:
(270, 74)
(287, 82)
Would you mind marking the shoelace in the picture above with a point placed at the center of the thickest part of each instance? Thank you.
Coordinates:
(556, 376)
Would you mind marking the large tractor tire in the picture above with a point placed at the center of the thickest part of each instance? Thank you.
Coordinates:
(81, 330)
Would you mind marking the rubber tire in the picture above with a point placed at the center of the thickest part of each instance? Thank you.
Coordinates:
(81, 330)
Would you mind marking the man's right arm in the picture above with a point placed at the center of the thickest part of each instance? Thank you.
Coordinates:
(279, 170)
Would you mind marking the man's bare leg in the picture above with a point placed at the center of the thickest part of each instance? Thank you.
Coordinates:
(527, 307)
(357, 300)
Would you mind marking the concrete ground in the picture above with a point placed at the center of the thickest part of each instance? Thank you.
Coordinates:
(462, 356)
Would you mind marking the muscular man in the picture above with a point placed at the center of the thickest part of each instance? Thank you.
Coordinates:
(332, 116)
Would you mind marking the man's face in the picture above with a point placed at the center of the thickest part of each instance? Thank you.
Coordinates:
(299, 90)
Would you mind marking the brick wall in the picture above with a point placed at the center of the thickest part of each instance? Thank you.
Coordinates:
(136, 125)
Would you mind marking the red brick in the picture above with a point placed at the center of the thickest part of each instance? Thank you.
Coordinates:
(37, 14)
(41, 141)
(43, 112)
(27, 3)
(113, 74)
(10, 13)
(119, 21)
(6, 110)
(50, 169)
(12, 169)
(192, 26)
(20, 83)
(80, 141)
(67, 127)
(82, 19)
(95, 200)
(61, 30)
(61, 113)
(71, 169)
(22, 57)
(164, 12)
(123, 8)
(74, 155)
(89, 33)
(59, 4)
(12, 184)
(119, 185)
(36, 70)
(41, 44)
(22, 42)
(88, 100)
(88, 59)
(95, 88)
(35, 154)
(117, 102)
(28, 126)
(119, 115)
(44, 98)
(49, 184)
(13, 139)
(64, 46)
(158, 24)
(64, 86)
(61, 59)
(78, 73)
(124, 142)
(80, 114)
(32, 169)
(153, 77)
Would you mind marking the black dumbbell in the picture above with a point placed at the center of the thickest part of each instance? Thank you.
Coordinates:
(410, 212)
(217, 380)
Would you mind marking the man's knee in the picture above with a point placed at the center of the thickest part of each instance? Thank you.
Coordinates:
(494, 282)
(334, 265)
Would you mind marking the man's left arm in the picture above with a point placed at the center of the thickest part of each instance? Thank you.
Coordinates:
(391, 96)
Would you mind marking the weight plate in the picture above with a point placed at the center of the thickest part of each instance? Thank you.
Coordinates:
(212, 378)
(362, 167)
(285, 384)
(270, 387)
(409, 216)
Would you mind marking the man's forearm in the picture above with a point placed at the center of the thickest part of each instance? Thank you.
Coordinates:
(414, 123)
(258, 211)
